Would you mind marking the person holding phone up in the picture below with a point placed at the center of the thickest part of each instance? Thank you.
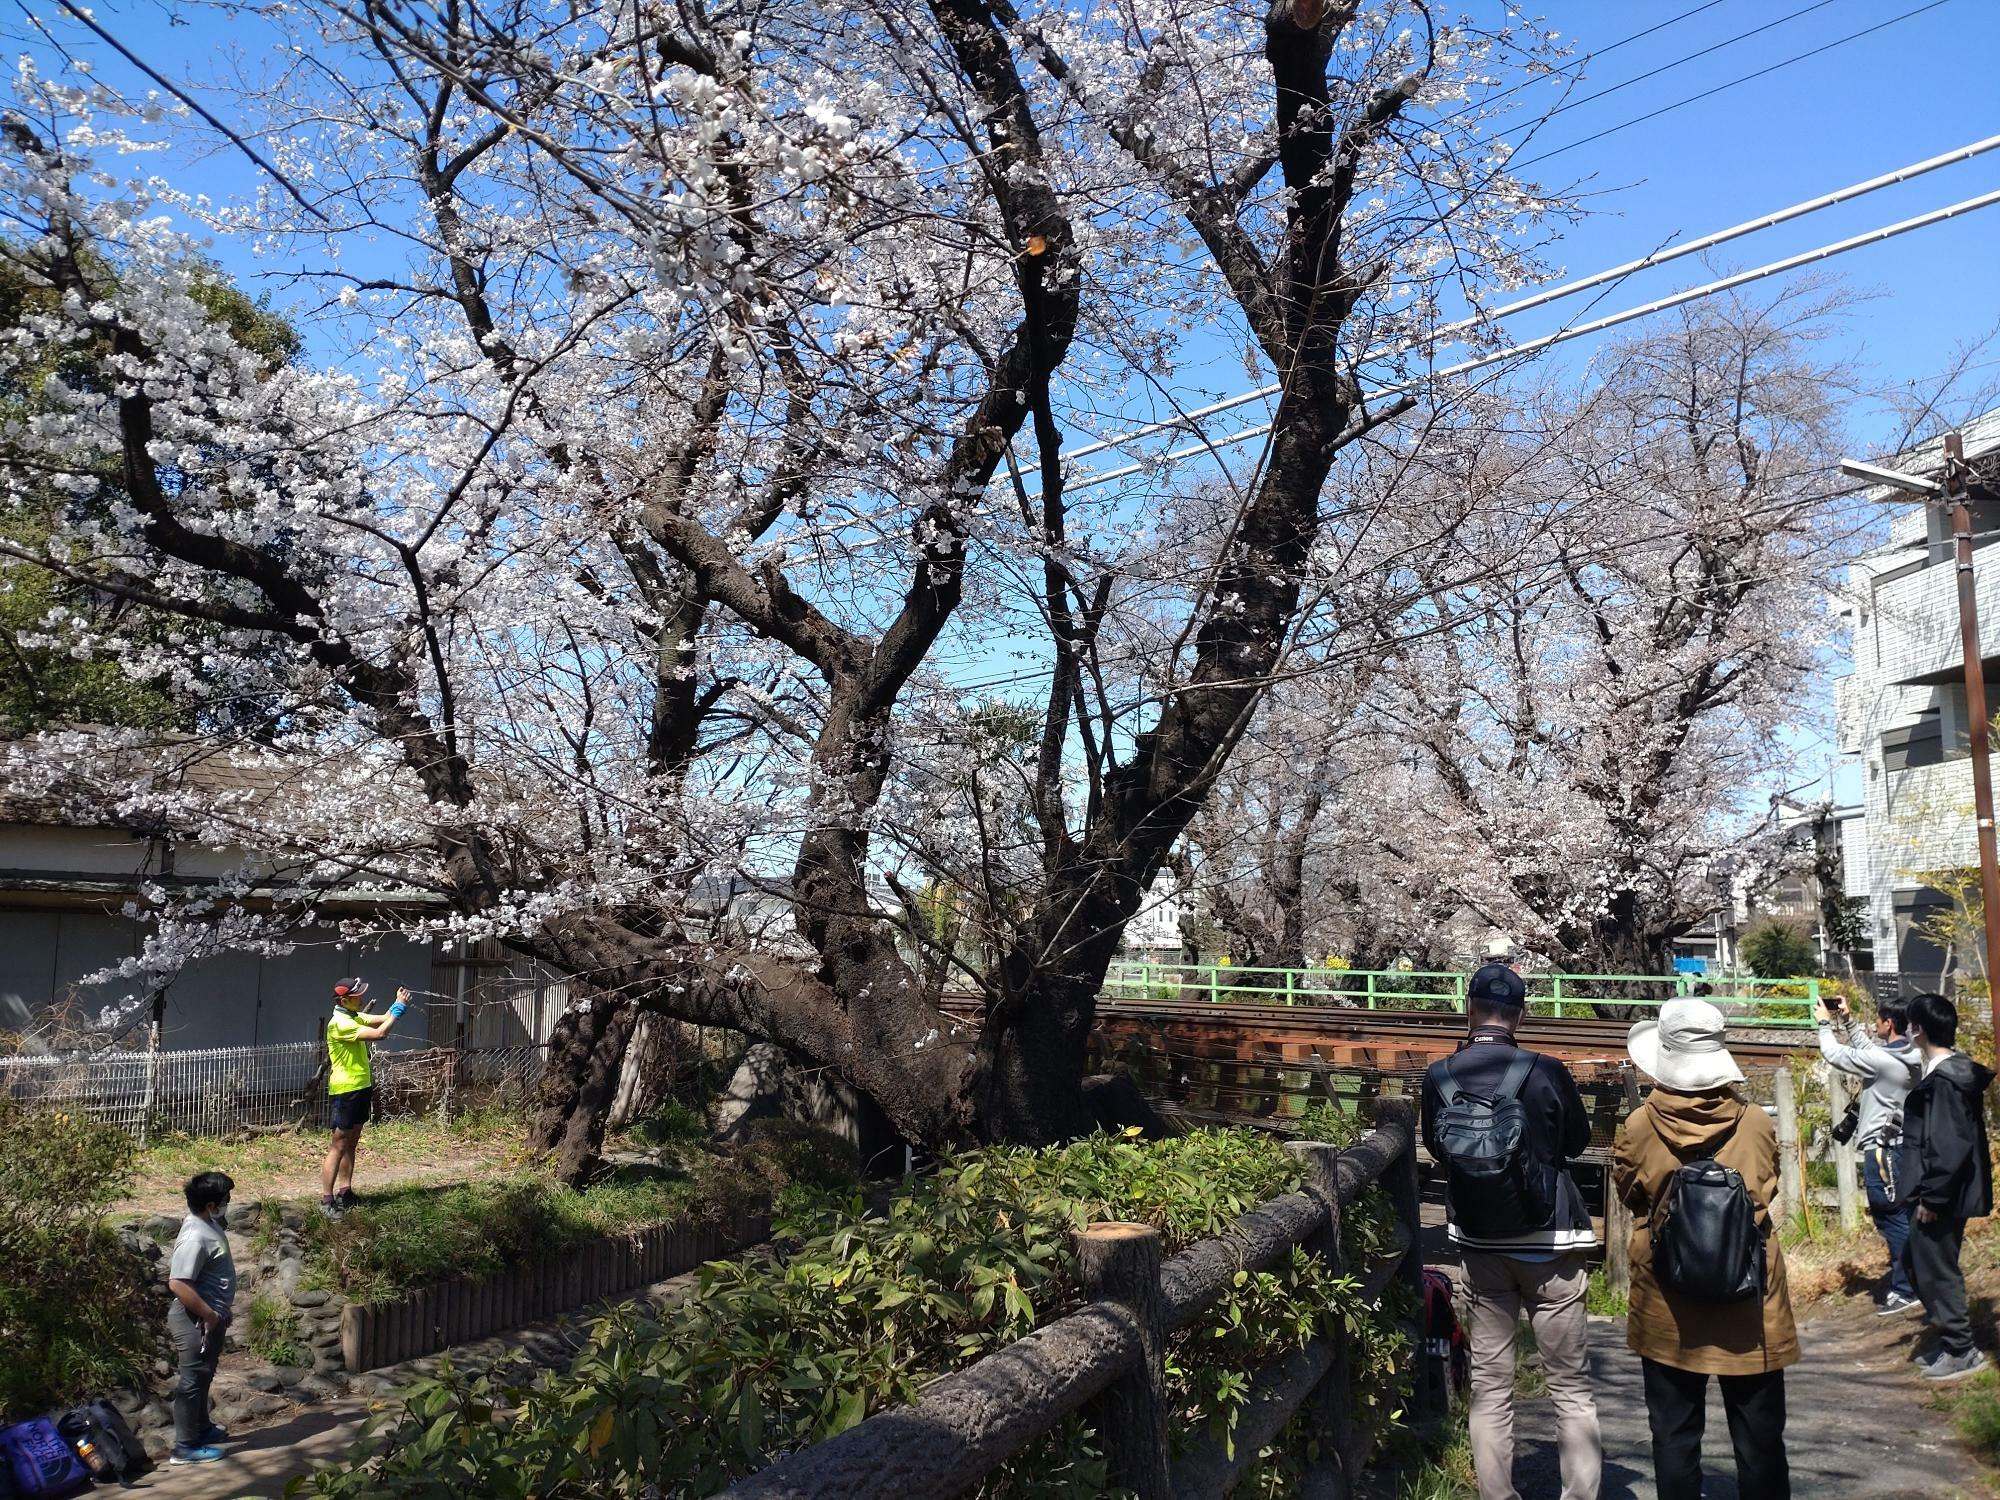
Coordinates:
(350, 1086)
(1889, 1066)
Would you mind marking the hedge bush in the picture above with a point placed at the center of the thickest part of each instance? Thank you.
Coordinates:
(779, 1350)
(74, 1317)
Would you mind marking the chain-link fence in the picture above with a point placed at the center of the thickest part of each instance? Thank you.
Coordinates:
(230, 1090)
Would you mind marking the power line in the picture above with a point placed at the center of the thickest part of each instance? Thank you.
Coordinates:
(1710, 93)
(1667, 67)
(1450, 331)
(1579, 330)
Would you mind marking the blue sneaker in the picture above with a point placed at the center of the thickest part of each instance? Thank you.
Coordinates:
(201, 1455)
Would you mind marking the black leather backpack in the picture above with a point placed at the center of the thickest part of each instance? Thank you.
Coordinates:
(1492, 1187)
(1706, 1243)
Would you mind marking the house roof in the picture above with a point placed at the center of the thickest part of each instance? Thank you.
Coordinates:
(42, 783)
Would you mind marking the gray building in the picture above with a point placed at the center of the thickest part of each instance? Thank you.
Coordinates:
(69, 886)
(1902, 711)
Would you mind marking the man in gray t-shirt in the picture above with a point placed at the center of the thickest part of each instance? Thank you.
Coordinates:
(202, 1277)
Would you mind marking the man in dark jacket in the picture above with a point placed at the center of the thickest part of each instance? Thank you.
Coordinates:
(1522, 1246)
(1946, 1177)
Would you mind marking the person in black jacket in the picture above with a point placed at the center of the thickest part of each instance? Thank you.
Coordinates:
(1946, 1177)
(1514, 1267)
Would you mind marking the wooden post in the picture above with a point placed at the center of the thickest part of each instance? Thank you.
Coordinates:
(1846, 1165)
(1790, 1188)
(1400, 1178)
(1120, 1264)
(1331, 1403)
(1618, 1217)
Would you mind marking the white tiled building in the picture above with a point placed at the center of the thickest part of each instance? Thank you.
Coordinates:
(1903, 709)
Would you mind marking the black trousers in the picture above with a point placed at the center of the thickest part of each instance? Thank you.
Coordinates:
(1676, 1406)
(1933, 1259)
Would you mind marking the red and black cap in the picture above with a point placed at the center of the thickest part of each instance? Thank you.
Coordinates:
(349, 990)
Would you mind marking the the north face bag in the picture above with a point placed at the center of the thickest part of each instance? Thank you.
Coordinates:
(1706, 1243)
(118, 1454)
(1492, 1186)
(42, 1465)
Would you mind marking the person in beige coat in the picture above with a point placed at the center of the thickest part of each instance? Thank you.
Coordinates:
(1695, 1111)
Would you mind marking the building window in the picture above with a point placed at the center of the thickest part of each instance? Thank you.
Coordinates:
(1918, 744)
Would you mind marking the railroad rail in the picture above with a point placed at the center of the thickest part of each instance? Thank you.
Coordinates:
(1268, 1064)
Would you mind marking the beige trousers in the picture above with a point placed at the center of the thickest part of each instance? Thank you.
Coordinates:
(1498, 1290)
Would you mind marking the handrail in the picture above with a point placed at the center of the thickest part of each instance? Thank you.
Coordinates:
(967, 1423)
(1779, 1002)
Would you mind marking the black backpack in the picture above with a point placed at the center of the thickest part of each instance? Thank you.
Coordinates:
(117, 1453)
(1706, 1243)
(1493, 1187)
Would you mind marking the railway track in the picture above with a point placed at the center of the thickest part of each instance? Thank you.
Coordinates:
(1266, 1064)
(1342, 1033)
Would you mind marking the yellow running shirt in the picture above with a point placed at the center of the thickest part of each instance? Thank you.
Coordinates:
(347, 1054)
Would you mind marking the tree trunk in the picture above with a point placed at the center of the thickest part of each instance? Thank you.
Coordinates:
(580, 1082)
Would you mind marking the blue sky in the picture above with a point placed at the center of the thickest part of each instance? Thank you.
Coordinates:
(1911, 89)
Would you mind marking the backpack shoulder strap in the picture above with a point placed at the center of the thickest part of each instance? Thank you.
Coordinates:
(1518, 1069)
(1447, 1083)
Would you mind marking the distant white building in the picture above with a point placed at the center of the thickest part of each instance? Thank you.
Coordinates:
(1154, 933)
(1902, 712)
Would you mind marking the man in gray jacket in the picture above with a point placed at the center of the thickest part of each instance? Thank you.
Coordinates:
(1889, 1065)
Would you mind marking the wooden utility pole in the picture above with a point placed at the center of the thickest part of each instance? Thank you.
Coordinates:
(1958, 499)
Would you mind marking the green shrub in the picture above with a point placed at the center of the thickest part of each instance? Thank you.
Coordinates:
(1776, 948)
(272, 1330)
(74, 1315)
(779, 1351)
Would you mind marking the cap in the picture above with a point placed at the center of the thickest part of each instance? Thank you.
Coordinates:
(349, 989)
(1498, 985)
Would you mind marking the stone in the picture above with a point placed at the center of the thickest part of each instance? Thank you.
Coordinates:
(129, 1401)
(265, 1383)
(291, 1216)
(161, 1226)
(315, 1388)
(244, 1215)
(265, 1406)
(314, 1298)
(288, 1375)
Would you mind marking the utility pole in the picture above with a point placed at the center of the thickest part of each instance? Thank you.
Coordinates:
(1957, 498)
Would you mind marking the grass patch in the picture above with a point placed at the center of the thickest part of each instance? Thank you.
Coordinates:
(1598, 1298)
(288, 1165)
(412, 1236)
(1974, 1408)
(272, 1330)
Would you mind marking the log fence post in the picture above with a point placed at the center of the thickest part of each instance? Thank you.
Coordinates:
(1119, 1264)
(1400, 1178)
(1846, 1164)
(1327, 1478)
(1791, 1192)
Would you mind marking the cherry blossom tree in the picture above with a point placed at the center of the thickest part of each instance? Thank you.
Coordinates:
(1618, 600)
(685, 401)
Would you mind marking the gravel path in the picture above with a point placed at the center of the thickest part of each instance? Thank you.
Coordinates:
(1857, 1427)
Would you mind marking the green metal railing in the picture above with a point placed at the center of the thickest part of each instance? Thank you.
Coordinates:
(1770, 1002)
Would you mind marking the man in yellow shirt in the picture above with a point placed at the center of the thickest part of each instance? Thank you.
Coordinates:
(350, 1085)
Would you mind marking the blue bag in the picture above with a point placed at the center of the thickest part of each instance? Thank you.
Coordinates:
(41, 1464)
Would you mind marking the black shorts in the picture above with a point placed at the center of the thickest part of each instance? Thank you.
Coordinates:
(350, 1110)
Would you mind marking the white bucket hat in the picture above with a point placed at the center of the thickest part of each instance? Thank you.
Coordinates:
(1685, 1048)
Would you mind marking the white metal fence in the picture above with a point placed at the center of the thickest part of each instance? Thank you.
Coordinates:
(227, 1090)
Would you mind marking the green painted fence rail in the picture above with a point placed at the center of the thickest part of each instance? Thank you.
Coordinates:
(1770, 1002)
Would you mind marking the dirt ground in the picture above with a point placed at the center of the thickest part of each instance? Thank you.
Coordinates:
(287, 1165)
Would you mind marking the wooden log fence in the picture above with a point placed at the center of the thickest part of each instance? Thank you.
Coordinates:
(431, 1318)
(1108, 1357)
